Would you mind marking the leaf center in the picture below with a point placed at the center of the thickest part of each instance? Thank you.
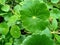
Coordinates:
(33, 17)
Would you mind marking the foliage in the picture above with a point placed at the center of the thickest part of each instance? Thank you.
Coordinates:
(29, 22)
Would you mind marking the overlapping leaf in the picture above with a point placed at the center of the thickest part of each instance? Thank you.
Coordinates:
(37, 39)
(55, 13)
(2, 2)
(47, 32)
(12, 20)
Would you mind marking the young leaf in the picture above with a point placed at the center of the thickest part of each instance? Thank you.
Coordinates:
(2, 2)
(17, 9)
(54, 1)
(57, 38)
(55, 13)
(12, 20)
(37, 39)
(54, 24)
(15, 31)
(5, 8)
(4, 29)
(47, 32)
(20, 40)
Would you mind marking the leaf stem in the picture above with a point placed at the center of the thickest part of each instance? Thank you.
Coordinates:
(13, 12)
(55, 32)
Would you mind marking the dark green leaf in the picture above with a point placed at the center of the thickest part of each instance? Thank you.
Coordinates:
(37, 40)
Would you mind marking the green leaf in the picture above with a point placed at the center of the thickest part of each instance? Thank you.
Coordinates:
(41, 0)
(17, 9)
(11, 40)
(55, 13)
(45, 1)
(54, 24)
(33, 13)
(15, 31)
(34, 25)
(35, 8)
(17, 42)
(57, 38)
(47, 32)
(37, 39)
(54, 1)
(12, 20)
(3, 36)
(5, 8)
(8, 43)
(7, 16)
(18, 1)
(2, 2)
(20, 40)
(4, 29)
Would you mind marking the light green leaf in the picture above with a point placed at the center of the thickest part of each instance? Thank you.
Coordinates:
(5, 8)
(37, 39)
(8, 43)
(55, 13)
(54, 1)
(12, 20)
(17, 9)
(3, 36)
(20, 40)
(54, 24)
(15, 31)
(57, 38)
(2, 2)
(11, 40)
(17, 42)
(18, 1)
(4, 29)
(47, 32)
(7, 16)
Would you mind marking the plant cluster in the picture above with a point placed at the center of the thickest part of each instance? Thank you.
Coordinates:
(29, 22)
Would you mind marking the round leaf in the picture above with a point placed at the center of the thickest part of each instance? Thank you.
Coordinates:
(12, 20)
(4, 29)
(33, 13)
(15, 31)
(5, 8)
(37, 39)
